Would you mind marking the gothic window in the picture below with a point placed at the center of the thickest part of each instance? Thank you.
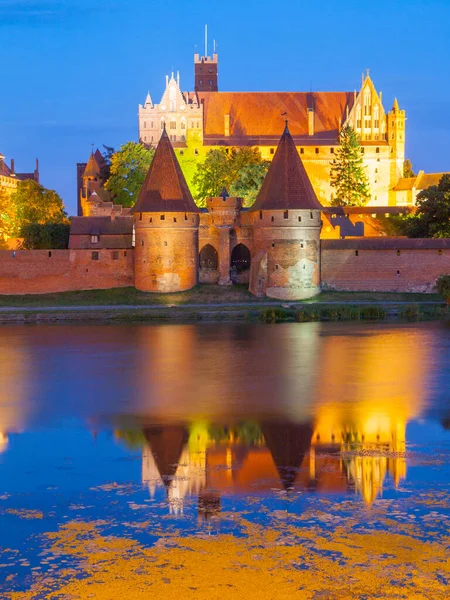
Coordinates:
(173, 125)
(162, 123)
(173, 99)
(376, 116)
(183, 125)
(152, 125)
(367, 104)
(145, 124)
(358, 118)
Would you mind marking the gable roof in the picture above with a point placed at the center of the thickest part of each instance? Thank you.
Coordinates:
(101, 226)
(255, 117)
(286, 185)
(165, 188)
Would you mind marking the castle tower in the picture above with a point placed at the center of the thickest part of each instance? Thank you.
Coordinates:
(286, 228)
(166, 223)
(90, 182)
(206, 73)
(396, 139)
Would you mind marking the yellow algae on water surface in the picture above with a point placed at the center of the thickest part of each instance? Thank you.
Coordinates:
(279, 562)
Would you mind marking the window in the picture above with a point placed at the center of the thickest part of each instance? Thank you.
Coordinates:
(272, 219)
(311, 216)
(440, 251)
(196, 152)
(162, 124)
(392, 136)
(302, 150)
(362, 150)
(376, 170)
(398, 252)
(260, 215)
(142, 243)
(50, 254)
(183, 125)
(174, 219)
(181, 152)
(273, 245)
(377, 150)
(152, 125)
(272, 151)
(286, 214)
(125, 253)
(173, 125)
(358, 118)
(94, 256)
(115, 255)
(317, 150)
(367, 104)
(356, 253)
(94, 239)
(276, 267)
(140, 216)
(299, 219)
(165, 243)
(331, 150)
(162, 217)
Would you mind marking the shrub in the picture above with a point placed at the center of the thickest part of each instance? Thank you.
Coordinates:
(443, 287)
(51, 236)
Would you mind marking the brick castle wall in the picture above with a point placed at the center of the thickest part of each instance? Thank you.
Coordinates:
(384, 264)
(46, 271)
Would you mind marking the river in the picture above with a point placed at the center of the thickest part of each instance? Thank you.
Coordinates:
(133, 444)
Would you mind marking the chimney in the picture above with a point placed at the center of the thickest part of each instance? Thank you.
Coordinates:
(36, 172)
(310, 121)
(226, 125)
(13, 169)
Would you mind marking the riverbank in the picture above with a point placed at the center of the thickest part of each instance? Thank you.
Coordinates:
(214, 303)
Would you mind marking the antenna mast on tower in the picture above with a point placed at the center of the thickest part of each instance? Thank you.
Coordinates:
(206, 40)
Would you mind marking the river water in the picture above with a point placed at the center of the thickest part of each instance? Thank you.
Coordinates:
(138, 444)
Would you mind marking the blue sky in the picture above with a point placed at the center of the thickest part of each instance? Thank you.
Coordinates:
(74, 71)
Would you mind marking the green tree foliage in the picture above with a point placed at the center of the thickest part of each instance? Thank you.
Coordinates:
(36, 204)
(105, 168)
(408, 169)
(348, 174)
(49, 236)
(432, 218)
(443, 287)
(129, 167)
(7, 216)
(240, 170)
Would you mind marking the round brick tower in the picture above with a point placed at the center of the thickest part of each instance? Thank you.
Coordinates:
(166, 223)
(286, 220)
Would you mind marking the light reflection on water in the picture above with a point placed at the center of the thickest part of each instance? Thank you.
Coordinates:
(198, 417)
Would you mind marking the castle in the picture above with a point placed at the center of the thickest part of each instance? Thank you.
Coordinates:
(207, 118)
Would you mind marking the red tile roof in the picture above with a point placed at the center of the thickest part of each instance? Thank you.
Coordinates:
(92, 168)
(165, 188)
(255, 117)
(286, 185)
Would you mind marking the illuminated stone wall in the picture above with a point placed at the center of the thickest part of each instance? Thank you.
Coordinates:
(166, 251)
(286, 253)
(46, 271)
(384, 264)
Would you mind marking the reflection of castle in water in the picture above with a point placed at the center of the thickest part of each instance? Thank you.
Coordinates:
(204, 462)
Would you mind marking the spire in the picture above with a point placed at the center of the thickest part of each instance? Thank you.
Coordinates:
(286, 185)
(395, 106)
(92, 168)
(165, 188)
(224, 193)
(148, 100)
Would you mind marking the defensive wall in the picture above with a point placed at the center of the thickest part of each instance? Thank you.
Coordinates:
(364, 264)
(384, 264)
(47, 271)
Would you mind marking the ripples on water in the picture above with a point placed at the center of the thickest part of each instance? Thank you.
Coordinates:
(124, 423)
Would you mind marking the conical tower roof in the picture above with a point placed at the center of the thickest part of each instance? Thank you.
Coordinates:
(286, 185)
(165, 188)
(92, 168)
(166, 444)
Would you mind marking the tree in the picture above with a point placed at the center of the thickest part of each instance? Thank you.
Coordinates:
(348, 175)
(36, 204)
(241, 171)
(7, 216)
(443, 287)
(129, 167)
(105, 167)
(407, 169)
(432, 218)
(49, 236)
